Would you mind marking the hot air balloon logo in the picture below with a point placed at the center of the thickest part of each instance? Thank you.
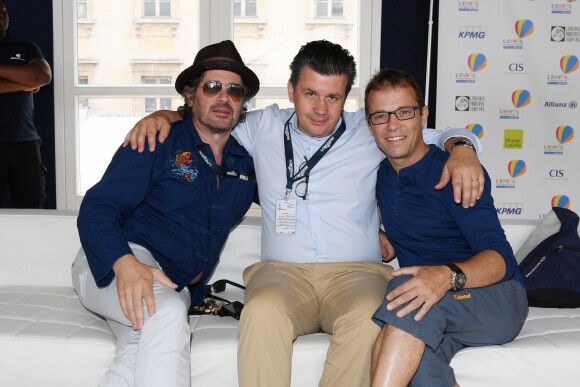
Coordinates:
(564, 133)
(560, 201)
(569, 64)
(476, 129)
(516, 168)
(521, 98)
(476, 61)
(524, 28)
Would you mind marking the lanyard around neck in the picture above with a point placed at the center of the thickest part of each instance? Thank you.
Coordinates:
(220, 169)
(305, 169)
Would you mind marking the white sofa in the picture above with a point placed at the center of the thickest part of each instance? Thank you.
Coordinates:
(48, 339)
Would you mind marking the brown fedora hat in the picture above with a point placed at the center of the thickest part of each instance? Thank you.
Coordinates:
(219, 56)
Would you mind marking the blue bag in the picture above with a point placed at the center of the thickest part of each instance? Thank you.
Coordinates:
(551, 269)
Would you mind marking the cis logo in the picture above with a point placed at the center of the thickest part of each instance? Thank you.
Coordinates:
(515, 67)
(556, 173)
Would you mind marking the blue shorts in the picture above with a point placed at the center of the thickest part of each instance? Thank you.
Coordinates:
(473, 317)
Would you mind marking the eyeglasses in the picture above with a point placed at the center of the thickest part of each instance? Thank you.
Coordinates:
(301, 189)
(403, 114)
(213, 88)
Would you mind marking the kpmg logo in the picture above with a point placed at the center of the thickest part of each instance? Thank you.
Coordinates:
(565, 34)
(509, 208)
(468, 6)
(476, 62)
(560, 201)
(568, 65)
(472, 32)
(472, 103)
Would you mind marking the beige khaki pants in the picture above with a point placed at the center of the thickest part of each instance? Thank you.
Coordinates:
(286, 300)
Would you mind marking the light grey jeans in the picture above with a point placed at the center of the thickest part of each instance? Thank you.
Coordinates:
(158, 355)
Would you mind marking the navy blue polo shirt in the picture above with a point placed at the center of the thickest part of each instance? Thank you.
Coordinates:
(17, 109)
(427, 227)
(169, 202)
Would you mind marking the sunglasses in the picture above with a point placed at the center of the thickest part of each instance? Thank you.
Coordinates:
(213, 88)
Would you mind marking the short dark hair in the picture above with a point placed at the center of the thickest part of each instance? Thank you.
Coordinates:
(189, 88)
(388, 78)
(325, 58)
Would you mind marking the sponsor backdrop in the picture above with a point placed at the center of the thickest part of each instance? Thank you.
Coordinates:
(508, 71)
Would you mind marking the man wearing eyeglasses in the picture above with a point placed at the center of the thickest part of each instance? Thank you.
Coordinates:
(153, 228)
(320, 267)
(459, 283)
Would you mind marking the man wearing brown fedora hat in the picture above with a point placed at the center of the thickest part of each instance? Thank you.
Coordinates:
(153, 228)
(321, 264)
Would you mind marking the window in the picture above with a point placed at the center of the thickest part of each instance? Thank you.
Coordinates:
(109, 76)
(83, 102)
(156, 8)
(245, 8)
(329, 8)
(153, 104)
(82, 9)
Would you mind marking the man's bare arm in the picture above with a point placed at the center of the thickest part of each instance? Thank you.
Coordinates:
(147, 128)
(33, 74)
(464, 171)
(430, 283)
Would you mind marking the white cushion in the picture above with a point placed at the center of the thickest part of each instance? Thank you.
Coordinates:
(47, 338)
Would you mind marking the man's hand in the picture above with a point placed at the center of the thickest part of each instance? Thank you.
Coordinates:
(428, 285)
(387, 249)
(466, 174)
(135, 284)
(147, 128)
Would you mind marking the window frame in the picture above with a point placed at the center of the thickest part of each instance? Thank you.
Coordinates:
(329, 6)
(216, 24)
(243, 8)
(158, 8)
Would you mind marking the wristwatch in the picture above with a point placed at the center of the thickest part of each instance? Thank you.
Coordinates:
(463, 143)
(458, 277)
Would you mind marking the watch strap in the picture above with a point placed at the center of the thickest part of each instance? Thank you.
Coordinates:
(463, 143)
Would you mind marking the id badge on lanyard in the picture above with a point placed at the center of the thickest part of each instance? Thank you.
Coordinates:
(286, 208)
(286, 216)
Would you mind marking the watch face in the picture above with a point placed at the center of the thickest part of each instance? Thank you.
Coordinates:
(460, 280)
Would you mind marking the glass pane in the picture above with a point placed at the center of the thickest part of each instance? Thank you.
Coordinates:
(82, 9)
(119, 48)
(103, 124)
(322, 8)
(148, 8)
(237, 8)
(251, 8)
(165, 8)
(337, 8)
(288, 28)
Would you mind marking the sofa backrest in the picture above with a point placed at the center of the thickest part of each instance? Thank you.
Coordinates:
(37, 247)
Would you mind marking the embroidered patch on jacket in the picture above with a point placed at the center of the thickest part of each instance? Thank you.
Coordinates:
(181, 167)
